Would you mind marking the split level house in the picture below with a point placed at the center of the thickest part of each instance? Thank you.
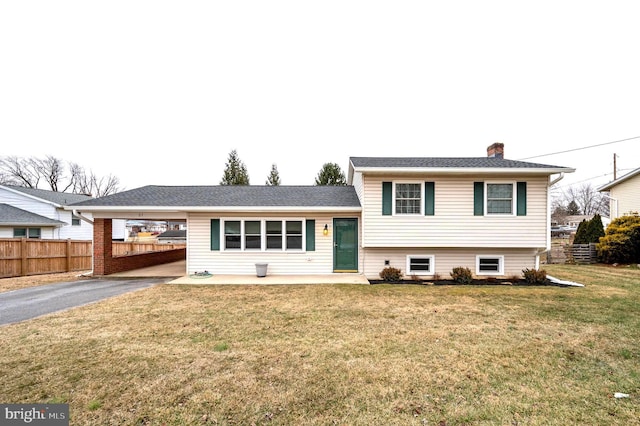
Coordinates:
(424, 216)
(41, 214)
(624, 194)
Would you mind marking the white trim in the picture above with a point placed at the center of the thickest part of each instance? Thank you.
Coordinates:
(490, 256)
(475, 171)
(432, 264)
(32, 197)
(211, 209)
(514, 191)
(263, 234)
(393, 197)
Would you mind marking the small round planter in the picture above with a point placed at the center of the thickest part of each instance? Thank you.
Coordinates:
(261, 269)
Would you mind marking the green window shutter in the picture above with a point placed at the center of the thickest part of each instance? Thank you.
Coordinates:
(311, 235)
(215, 234)
(478, 198)
(429, 198)
(522, 199)
(386, 198)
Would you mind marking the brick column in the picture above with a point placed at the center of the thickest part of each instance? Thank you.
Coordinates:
(102, 251)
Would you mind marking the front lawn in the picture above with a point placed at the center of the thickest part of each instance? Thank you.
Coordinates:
(343, 354)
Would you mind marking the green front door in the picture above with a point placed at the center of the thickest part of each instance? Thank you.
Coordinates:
(345, 245)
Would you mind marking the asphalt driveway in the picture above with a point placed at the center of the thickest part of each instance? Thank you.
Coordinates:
(28, 303)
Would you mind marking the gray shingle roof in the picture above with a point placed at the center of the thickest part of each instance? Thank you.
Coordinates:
(231, 196)
(10, 215)
(62, 198)
(446, 162)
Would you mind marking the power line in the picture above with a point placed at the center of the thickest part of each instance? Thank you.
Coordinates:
(580, 149)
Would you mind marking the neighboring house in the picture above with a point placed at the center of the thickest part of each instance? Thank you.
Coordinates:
(422, 215)
(571, 222)
(624, 194)
(173, 237)
(38, 213)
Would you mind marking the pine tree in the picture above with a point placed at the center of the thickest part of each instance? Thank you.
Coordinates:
(331, 174)
(274, 177)
(573, 208)
(235, 172)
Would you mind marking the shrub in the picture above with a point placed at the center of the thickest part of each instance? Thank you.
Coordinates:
(391, 274)
(589, 231)
(461, 275)
(621, 242)
(535, 276)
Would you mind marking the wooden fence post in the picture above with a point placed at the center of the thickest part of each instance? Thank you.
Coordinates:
(23, 256)
(68, 255)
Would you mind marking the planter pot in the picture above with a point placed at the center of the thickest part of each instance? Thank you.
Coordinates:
(261, 269)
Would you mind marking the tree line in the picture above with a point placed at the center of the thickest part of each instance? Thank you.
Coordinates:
(235, 173)
(57, 175)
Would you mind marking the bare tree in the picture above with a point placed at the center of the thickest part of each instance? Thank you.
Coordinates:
(21, 171)
(58, 175)
(588, 199)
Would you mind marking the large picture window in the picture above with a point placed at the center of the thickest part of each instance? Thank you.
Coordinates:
(408, 198)
(264, 234)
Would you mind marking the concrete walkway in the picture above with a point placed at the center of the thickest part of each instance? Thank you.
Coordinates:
(178, 271)
(273, 279)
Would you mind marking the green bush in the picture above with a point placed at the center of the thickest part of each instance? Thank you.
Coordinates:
(535, 276)
(621, 242)
(589, 231)
(461, 275)
(390, 274)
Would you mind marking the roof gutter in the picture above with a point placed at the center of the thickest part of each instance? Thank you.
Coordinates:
(81, 216)
(556, 180)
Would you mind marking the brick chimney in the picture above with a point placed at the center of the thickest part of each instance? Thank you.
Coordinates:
(496, 150)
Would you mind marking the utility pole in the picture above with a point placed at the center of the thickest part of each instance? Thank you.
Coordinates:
(615, 168)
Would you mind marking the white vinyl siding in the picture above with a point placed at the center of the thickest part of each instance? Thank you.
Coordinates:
(200, 257)
(626, 197)
(84, 231)
(454, 223)
(445, 259)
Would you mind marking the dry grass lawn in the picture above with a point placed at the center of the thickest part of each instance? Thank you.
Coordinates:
(16, 283)
(346, 355)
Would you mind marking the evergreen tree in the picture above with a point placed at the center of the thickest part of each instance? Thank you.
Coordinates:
(573, 208)
(581, 233)
(235, 172)
(331, 174)
(274, 176)
(595, 229)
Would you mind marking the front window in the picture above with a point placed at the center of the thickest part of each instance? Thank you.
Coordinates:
(271, 235)
(252, 235)
(294, 235)
(408, 198)
(500, 198)
(490, 265)
(420, 265)
(232, 235)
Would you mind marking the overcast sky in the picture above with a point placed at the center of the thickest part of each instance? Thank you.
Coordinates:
(160, 92)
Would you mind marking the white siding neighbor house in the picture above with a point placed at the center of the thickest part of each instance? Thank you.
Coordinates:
(424, 216)
(38, 213)
(624, 195)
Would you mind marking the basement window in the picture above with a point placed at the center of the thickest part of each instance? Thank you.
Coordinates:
(489, 265)
(420, 265)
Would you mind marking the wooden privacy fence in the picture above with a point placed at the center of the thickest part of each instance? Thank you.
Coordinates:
(22, 256)
(582, 253)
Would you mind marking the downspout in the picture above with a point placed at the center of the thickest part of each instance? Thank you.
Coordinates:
(86, 219)
(548, 248)
(615, 201)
